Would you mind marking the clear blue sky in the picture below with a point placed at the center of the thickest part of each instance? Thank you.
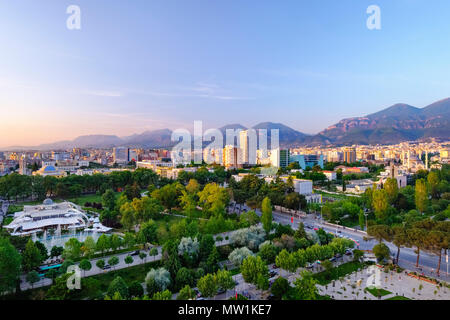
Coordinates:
(146, 64)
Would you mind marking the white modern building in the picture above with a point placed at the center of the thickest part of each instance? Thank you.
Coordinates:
(49, 215)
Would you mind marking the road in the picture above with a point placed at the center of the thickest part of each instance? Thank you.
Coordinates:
(428, 262)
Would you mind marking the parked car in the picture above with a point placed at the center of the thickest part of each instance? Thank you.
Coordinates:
(220, 291)
(310, 265)
(106, 266)
(333, 259)
(273, 273)
(136, 253)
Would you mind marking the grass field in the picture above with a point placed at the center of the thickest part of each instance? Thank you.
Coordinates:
(378, 292)
(324, 277)
(398, 298)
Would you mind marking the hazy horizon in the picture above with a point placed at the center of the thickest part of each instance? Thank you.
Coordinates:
(151, 65)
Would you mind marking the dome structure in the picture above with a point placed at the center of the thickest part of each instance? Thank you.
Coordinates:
(48, 202)
(49, 169)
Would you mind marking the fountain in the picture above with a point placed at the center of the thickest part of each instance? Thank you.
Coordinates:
(59, 240)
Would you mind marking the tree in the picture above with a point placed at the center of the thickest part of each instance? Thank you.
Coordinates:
(286, 261)
(113, 261)
(250, 237)
(59, 289)
(10, 261)
(421, 195)
(279, 287)
(417, 237)
(103, 244)
(292, 201)
(267, 251)
(142, 256)
(252, 267)
(33, 277)
(56, 251)
(128, 260)
(266, 218)
(158, 279)
(357, 255)
(381, 251)
(238, 255)
(118, 285)
(109, 200)
(100, 264)
(42, 250)
(380, 232)
(186, 293)
(31, 257)
(207, 285)
(127, 216)
(193, 186)
(72, 249)
(224, 280)
(135, 289)
(300, 233)
(153, 252)
(391, 187)
(305, 286)
(184, 277)
(89, 247)
(115, 242)
(400, 238)
(380, 203)
(165, 295)
(85, 265)
(433, 184)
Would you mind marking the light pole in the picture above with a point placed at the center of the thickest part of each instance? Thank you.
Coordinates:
(365, 215)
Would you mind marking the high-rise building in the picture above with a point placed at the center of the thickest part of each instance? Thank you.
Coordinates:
(23, 169)
(243, 144)
(349, 155)
(307, 160)
(232, 157)
(279, 158)
(121, 155)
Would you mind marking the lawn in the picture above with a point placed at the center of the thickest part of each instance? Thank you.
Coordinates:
(87, 198)
(378, 292)
(398, 298)
(325, 277)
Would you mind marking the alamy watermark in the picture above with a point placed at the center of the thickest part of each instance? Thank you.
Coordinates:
(374, 20)
(73, 22)
(240, 147)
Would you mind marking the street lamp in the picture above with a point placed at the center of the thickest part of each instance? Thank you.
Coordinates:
(365, 215)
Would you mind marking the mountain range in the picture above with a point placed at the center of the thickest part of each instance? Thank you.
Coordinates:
(397, 123)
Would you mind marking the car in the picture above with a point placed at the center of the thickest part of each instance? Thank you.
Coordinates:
(338, 255)
(106, 266)
(333, 259)
(273, 273)
(220, 291)
(339, 231)
(308, 226)
(310, 265)
(135, 253)
(316, 229)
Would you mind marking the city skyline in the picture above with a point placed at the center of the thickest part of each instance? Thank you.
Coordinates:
(152, 66)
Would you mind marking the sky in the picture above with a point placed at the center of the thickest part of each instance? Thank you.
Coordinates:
(151, 64)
